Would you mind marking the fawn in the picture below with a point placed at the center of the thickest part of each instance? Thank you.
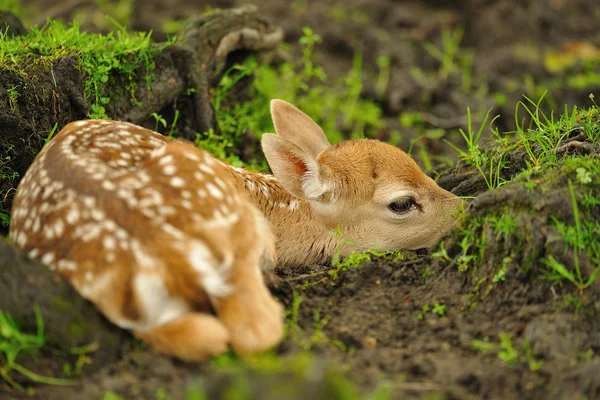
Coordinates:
(374, 192)
(174, 245)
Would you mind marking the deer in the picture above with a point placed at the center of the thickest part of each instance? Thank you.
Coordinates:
(177, 247)
(372, 191)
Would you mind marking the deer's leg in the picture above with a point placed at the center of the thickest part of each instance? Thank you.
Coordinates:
(193, 337)
(252, 316)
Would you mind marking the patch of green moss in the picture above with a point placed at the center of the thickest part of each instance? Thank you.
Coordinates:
(99, 57)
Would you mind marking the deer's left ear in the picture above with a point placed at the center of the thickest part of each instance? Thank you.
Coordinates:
(297, 170)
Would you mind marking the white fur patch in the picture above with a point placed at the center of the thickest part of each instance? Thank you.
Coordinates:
(311, 184)
(156, 304)
(213, 276)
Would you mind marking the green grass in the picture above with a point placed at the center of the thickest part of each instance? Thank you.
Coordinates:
(99, 57)
(581, 238)
(14, 343)
(540, 142)
(337, 107)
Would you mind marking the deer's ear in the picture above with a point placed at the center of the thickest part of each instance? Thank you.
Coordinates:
(297, 127)
(298, 171)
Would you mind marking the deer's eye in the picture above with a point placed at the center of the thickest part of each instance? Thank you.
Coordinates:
(402, 206)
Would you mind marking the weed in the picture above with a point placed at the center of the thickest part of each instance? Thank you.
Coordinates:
(500, 275)
(507, 352)
(50, 134)
(439, 309)
(585, 356)
(584, 176)
(581, 237)
(14, 343)
(13, 98)
(173, 129)
(293, 314)
(340, 110)
(534, 364)
(474, 156)
(448, 54)
(159, 120)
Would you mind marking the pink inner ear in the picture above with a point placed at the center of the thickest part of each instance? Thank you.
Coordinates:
(297, 165)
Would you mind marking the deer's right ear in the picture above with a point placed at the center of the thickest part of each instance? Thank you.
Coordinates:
(297, 127)
(298, 171)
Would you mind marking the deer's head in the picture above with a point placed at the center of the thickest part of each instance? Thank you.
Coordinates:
(373, 191)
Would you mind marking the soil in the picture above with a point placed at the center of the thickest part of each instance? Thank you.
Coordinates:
(376, 327)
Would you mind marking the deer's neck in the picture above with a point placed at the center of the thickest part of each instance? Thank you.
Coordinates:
(300, 238)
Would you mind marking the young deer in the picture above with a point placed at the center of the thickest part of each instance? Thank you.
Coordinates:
(373, 191)
(170, 243)
(155, 234)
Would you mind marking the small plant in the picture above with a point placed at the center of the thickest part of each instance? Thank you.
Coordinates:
(14, 343)
(501, 274)
(507, 352)
(575, 237)
(293, 315)
(50, 134)
(534, 364)
(158, 120)
(474, 156)
(584, 176)
(13, 98)
(439, 309)
(173, 129)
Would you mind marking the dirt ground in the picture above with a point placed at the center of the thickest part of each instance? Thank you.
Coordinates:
(371, 319)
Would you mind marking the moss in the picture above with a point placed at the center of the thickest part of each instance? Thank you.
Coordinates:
(119, 54)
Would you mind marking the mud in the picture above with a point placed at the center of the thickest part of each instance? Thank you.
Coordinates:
(371, 319)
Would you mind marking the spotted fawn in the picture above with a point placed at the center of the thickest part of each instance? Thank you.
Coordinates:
(174, 245)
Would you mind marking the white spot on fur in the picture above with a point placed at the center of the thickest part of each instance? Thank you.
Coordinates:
(67, 265)
(73, 216)
(108, 185)
(156, 304)
(177, 182)
(206, 168)
(33, 253)
(213, 279)
(47, 258)
(214, 191)
(109, 242)
(169, 170)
